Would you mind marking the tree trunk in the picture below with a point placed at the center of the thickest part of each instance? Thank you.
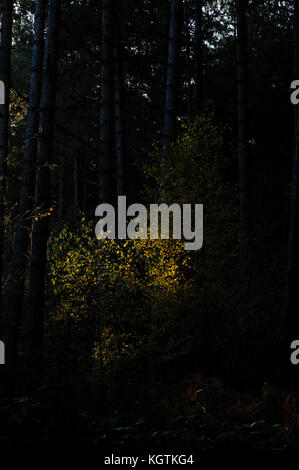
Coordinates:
(243, 151)
(198, 57)
(170, 111)
(6, 7)
(20, 254)
(42, 190)
(75, 186)
(106, 112)
(61, 178)
(189, 71)
(292, 317)
(118, 111)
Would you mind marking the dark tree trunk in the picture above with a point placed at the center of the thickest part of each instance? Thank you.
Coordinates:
(198, 57)
(189, 70)
(20, 255)
(292, 316)
(118, 111)
(84, 185)
(75, 186)
(170, 111)
(42, 201)
(6, 7)
(106, 112)
(243, 151)
(61, 178)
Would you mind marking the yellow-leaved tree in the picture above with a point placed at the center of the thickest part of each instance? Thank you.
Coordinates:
(146, 300)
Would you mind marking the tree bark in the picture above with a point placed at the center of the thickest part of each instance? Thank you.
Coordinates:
(243, 150)
(42, 201)
(75, 186)
(170, 110)
(118, 111)
(20, 254)
(6, 8)
(106, 112)
(61, 178)
(198, 57)
(292, 308)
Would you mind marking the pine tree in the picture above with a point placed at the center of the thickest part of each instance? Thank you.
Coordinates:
(6, 10)
(198, 56)
(118, 110)
(170, 110)
(243, 151)
(292, 319)
(106, 111)
(42, 202)
(20, 255)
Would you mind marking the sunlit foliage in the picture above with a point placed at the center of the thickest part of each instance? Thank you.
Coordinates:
(135, 298)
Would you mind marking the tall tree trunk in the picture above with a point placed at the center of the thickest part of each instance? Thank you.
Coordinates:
(106, 112)
(61, 177)
(20, 254)
(42, 189)
(118, 111)
(243, 150)
(198, 57)
(170, 111)
(84, 185)
(292, 317)
(6, 7)
(189, 107)
(75, 186)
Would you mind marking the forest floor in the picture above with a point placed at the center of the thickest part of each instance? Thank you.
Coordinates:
(200, 416)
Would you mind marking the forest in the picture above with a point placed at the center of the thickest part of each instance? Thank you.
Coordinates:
(134, 342)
